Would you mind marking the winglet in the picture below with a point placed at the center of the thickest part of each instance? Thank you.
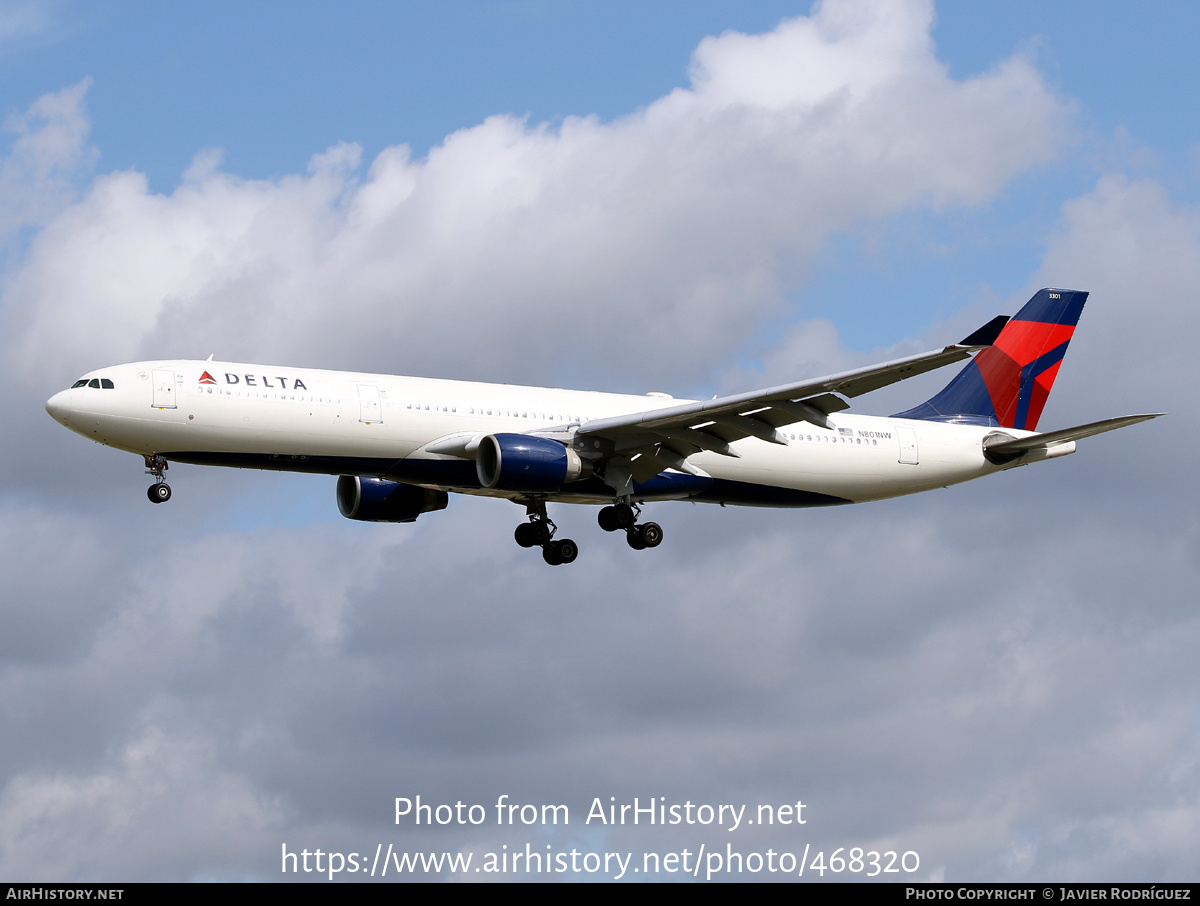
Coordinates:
(987, 334)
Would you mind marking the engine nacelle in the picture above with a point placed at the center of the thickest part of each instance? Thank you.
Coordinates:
(518, 462)
(377, 500)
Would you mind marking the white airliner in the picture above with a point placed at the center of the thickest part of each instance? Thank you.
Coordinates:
(399, 444)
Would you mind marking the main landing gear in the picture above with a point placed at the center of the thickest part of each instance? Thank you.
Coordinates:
(624, 516)
(160, 491)
(539, 532)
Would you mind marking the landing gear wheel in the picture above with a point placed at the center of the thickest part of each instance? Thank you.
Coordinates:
(159, 493)
(607, 518)
(557, 553)
(532, 534)
(652, 534)
(634, 536)
(617, 516)
(539, 532)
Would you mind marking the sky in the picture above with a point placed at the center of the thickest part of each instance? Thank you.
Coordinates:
(704, 197)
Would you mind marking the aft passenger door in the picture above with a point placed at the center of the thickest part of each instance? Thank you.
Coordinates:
(908, 445)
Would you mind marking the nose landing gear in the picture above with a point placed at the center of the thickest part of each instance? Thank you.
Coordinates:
(539, 532)
(160, 491)
(624, 516)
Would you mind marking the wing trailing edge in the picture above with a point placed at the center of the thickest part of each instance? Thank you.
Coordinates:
(721, 421)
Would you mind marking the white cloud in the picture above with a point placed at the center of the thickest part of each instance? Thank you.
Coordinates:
(673, 228)
(1138, 251)
(50, 154)
(110, 823)
(888, 666)
(23, 18)
(999, 676)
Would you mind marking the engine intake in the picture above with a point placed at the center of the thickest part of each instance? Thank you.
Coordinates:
(378, 500)
(518, 462)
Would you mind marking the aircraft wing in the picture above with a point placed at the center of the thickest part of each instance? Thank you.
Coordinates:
(679, 431)
(1003, 451)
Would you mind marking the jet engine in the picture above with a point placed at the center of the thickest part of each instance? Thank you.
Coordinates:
(377, 500)
(518, 462)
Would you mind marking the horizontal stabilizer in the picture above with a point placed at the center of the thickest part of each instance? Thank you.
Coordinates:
(1004, 451)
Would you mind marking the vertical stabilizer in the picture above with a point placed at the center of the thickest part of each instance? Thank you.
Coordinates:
(1006, 385)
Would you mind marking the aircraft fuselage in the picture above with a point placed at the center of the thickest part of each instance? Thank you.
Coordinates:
(345, 423)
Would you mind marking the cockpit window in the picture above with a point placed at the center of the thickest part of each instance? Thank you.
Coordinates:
(106, 383)
(94, 382)
(79, 383)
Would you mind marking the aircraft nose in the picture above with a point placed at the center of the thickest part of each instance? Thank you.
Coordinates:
(59, 406)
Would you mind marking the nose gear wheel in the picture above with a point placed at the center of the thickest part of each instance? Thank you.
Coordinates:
(160, 491)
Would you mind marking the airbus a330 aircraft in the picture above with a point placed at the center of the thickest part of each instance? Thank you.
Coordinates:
(400, 444)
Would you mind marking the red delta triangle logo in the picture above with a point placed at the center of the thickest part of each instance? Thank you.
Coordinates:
(207, 378)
